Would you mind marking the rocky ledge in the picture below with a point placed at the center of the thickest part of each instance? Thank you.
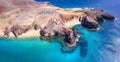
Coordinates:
(27, 18)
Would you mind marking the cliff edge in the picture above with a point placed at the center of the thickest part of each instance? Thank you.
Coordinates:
(27, 18)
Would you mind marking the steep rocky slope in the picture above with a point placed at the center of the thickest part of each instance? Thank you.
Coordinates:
(27, 18)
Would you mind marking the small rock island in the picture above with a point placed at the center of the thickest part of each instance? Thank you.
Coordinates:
(28, 18)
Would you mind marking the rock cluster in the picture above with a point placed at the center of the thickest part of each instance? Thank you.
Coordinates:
(49, 20)
(93, 16)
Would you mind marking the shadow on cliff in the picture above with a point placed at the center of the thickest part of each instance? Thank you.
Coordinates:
(82, 44)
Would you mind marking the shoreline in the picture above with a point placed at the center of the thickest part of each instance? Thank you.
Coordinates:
(46, 21)
(35, 33)
(29, 34)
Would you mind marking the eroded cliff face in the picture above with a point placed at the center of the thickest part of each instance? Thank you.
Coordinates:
(24, 18)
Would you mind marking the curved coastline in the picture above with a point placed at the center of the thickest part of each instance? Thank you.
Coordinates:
(45, 20)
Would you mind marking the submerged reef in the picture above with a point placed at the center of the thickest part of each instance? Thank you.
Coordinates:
(27, 18)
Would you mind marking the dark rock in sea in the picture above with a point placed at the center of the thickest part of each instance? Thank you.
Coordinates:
(89, 23)
(108, 16)
(70, 37)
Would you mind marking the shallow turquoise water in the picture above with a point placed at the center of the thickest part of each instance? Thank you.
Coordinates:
(101, 46)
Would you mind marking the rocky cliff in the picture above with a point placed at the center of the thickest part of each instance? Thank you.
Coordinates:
(27, 18)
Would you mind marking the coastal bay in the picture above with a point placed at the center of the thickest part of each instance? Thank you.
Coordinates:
(93, 46)
(32, 19)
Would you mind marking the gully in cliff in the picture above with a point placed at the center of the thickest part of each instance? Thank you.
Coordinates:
(46, 21)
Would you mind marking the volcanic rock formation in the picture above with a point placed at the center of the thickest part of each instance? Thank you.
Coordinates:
(27, 18)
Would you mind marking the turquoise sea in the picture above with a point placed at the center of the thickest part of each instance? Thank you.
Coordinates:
(100, 46)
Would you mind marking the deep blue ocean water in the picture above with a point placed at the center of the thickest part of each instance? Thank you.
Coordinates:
(100, 46)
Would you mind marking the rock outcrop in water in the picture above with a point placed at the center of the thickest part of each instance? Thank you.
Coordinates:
(27, 18)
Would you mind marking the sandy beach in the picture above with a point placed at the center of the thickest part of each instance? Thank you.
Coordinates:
(29, 34)
(35, 33)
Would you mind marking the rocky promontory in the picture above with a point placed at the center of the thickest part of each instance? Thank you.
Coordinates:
(27, 18)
